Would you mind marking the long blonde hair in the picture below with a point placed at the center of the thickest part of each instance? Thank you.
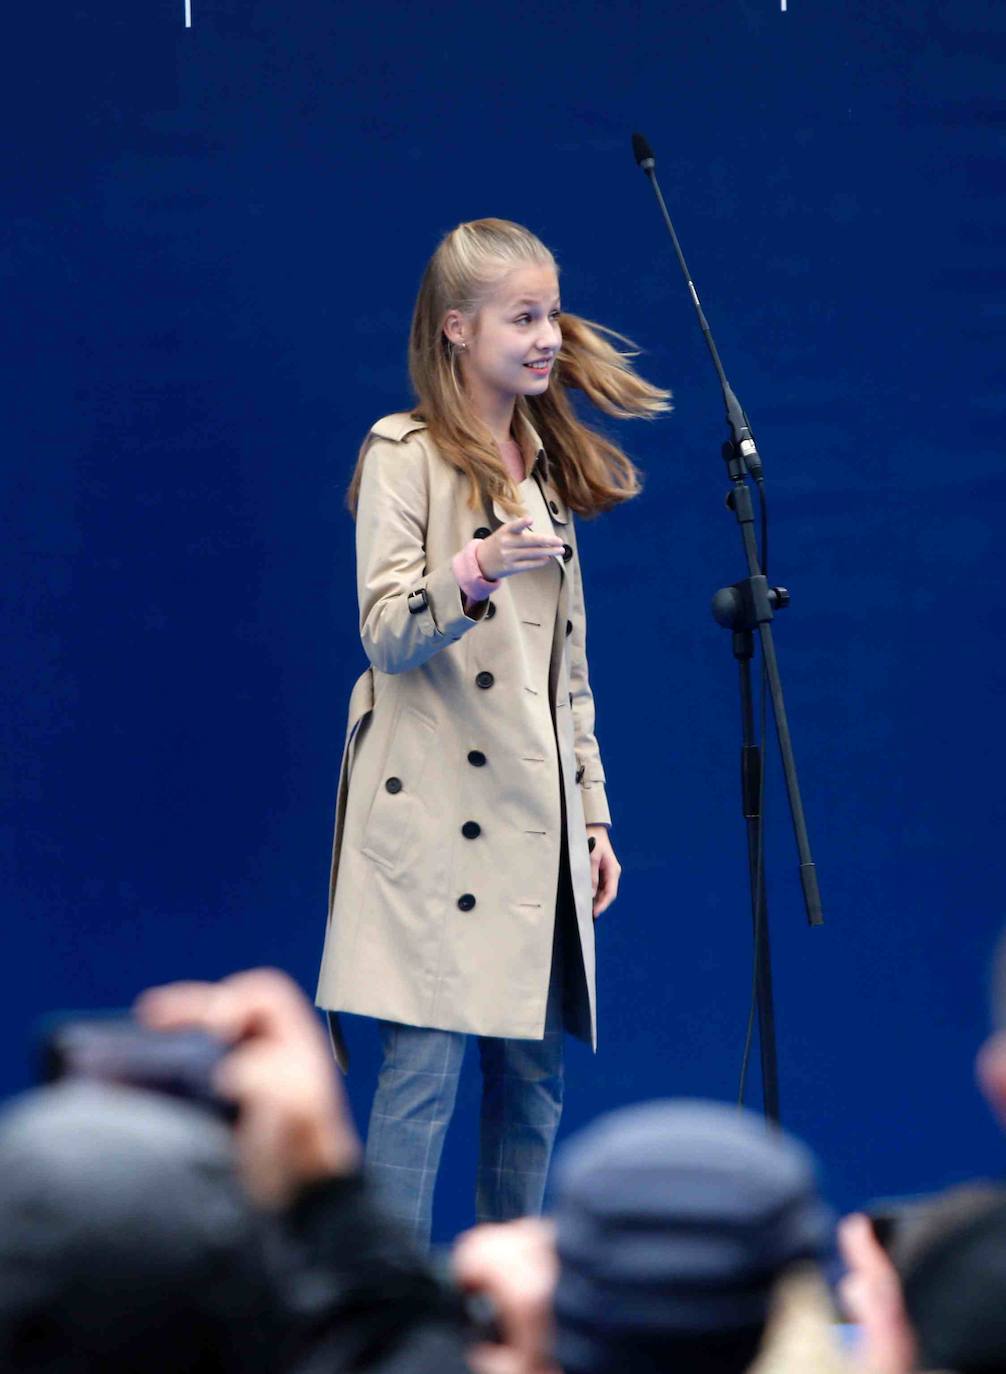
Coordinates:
(591, 473)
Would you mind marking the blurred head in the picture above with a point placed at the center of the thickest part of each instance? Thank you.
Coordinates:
(486, 317)
(675, 1222)
(125, 1240)
(991, 1063)
(955, 1289)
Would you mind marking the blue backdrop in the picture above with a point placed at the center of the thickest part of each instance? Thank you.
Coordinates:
(210, 249)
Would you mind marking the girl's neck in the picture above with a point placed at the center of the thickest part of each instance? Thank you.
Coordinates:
(494, 410)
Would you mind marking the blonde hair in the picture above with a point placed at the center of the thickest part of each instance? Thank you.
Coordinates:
(591, 472)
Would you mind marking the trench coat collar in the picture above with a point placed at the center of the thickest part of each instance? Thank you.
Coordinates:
(401, 425)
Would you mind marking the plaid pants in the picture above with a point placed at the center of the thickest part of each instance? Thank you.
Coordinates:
(522, 1083)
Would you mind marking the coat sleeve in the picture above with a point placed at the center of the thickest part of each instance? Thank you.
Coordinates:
(589, 769)
(391, 523)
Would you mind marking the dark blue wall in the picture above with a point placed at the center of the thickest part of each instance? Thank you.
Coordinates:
(211, 243)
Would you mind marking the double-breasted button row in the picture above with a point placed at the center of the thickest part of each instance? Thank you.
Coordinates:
(471, 829)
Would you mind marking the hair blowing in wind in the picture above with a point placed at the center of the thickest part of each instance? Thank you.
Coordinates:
(591, 472)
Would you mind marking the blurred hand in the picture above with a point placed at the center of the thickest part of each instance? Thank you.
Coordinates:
(605, 869)
(990, 1068)
(871, 1295)
(515, 1265)
(515, 548)
(294, 1124)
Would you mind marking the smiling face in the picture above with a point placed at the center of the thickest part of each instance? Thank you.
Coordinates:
(512, 338)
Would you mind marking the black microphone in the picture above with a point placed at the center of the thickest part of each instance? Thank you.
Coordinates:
(643, 152)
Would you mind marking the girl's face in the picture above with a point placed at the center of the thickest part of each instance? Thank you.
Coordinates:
(514, 336)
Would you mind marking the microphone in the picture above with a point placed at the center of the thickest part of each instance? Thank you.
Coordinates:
(742, 446)
(643, 152)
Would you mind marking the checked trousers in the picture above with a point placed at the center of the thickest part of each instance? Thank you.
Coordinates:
(522, 1087)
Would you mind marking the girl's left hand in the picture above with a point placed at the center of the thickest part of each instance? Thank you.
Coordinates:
(604, 869)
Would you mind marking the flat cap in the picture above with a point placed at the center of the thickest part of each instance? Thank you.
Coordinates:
(674, 1220)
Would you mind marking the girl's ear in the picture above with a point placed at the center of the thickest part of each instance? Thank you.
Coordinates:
(455, 327)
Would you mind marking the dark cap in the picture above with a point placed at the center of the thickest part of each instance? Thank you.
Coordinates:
(125, 1239)
(674, 1220)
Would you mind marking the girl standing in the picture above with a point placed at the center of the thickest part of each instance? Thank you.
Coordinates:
(471, 850)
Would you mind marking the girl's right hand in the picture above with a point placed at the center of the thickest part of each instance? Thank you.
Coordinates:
(514, 548)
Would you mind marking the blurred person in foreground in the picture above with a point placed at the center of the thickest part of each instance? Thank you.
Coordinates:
(126, 1242)
(935, 1297)
(141, 1234)
(686, 1237)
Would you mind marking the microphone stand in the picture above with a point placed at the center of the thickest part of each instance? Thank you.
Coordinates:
(742, 608)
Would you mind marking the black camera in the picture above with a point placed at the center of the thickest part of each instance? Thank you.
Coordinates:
(113, 1047)
(905, 1226)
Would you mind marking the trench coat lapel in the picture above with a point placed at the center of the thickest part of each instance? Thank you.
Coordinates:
(559, 515)
(554, 503)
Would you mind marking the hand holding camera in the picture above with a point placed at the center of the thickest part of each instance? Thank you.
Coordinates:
(293, 1125)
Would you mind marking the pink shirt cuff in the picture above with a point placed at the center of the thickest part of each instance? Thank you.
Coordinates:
(469, 574)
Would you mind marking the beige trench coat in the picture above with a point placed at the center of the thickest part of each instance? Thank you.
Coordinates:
(426, 926)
